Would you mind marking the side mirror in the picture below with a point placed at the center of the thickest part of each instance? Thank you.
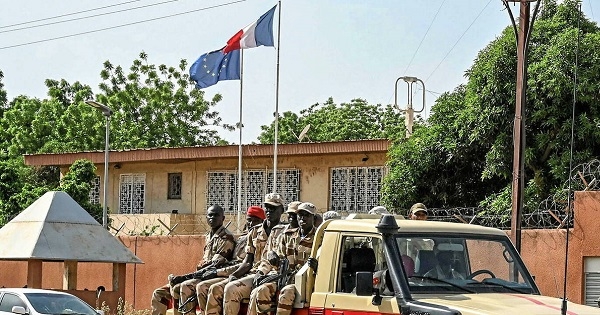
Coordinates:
(19, 310)
(364, 283)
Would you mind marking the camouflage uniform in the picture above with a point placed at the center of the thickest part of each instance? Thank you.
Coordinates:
(297, 251)
(225, 297)
(218, 250)
(222, 273)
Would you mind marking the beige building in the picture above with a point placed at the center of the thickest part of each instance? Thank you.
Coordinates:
(167, 190)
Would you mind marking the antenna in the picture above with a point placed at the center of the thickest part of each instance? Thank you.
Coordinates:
(303, 133)
(563, 308)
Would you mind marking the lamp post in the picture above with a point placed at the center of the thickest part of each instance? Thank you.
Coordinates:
(409, 118)
(106, 111)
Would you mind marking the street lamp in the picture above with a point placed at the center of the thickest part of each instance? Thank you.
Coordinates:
(106, 111)
(409, 118)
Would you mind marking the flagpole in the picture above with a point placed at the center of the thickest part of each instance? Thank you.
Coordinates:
(240, 126)
(277, 100)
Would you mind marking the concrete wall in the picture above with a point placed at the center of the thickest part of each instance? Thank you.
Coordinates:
(542, 250)
(162, 255)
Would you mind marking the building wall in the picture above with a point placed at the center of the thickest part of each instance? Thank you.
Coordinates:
(314, 185)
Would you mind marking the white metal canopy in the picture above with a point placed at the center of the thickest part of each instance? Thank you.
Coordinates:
(56, 228)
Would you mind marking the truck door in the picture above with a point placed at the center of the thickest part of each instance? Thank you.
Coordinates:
(359, 252)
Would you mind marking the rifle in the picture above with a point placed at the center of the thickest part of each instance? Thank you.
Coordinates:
(284, 271)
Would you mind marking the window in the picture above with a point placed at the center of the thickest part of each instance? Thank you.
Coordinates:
(132, 193)
(174, 186)
(359, 253)
(355, 189)
(8, 301)
(222, 187)
(95, 191)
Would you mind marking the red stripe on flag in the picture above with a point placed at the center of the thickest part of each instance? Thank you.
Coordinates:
(234, 42)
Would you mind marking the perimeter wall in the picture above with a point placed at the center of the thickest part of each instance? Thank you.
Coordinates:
(543, 251)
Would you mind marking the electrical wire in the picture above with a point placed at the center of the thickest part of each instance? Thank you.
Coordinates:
(423, 38)
(68, 14)
(122, 25)
(88, 17)
(591, 9)
(458, 40)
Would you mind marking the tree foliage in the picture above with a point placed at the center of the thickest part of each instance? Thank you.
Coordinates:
(158, 106)
(468, 138)
(153, 106)
(77, 183)
(331, 122)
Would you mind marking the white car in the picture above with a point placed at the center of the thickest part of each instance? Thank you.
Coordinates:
(38, 301)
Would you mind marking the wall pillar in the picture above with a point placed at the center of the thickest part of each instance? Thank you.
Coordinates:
(34, 273)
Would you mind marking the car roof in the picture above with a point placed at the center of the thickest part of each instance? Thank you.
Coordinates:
(368, 223)
(31, 290)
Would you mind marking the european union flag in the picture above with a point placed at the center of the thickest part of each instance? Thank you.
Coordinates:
(215, 66)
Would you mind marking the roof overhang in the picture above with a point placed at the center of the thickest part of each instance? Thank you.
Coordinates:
(211, 152)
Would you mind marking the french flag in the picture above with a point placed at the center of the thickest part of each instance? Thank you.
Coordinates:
(259, 33)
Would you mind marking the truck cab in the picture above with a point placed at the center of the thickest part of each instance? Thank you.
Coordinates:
(372, 264)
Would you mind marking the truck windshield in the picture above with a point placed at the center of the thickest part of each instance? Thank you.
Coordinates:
(462, 264)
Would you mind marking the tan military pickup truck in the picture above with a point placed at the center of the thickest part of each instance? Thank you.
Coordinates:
(369, 264)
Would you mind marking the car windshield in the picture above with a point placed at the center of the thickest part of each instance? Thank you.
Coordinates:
(52, 303)
(462, 264)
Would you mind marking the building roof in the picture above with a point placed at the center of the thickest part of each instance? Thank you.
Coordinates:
(56, 228)
(211, 152)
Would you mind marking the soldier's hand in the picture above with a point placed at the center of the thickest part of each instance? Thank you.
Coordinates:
(209, 273)
(174, 280)
(273, 258)
(313, 263)
(258, 278)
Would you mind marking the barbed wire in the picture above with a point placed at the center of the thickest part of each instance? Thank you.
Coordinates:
(552, 213)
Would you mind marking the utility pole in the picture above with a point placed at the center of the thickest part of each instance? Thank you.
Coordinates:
(409, 111)
(523, 34)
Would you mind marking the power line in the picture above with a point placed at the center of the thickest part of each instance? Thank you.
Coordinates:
(68, 14)
(88, 17)
(458, 40)
(423, 39)
(122, 25)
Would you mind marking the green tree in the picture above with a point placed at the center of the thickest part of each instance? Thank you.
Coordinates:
(77, 183)
(331, 122)
(470, 129)
(154, 106)
(158, 106)
(3, 99)
(20, 186)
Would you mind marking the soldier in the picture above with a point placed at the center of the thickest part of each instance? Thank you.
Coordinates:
(225, 296)
(218, 250)
(418, 211)
(291, 227)
(298, 250)
(254, 216)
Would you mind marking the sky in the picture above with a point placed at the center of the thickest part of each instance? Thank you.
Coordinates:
(344, 49)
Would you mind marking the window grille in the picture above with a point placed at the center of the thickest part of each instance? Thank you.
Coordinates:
(175, 180)
(222, 187)
(355, 189)
(221, 190)
(132, 193)
(95, 190)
